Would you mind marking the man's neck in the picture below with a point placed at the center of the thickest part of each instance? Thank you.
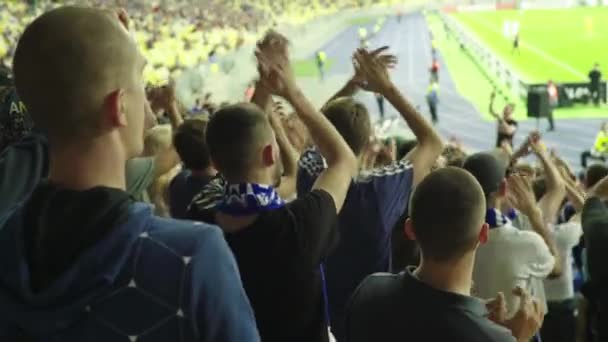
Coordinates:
(255, 177)
(455, 277)
(495, 203)
(88, 165)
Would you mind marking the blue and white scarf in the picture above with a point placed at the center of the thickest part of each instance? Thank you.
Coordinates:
(236, 199)
(248, 199)
(496, 219)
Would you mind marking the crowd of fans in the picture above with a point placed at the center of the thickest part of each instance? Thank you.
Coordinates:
(178, 35)
(121, 218)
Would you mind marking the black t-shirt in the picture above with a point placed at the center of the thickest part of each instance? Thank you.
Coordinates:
(504, 136)
(399, 307)
(279, 258)
(594, 77)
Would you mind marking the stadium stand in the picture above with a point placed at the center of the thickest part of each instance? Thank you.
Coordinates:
(132, 210)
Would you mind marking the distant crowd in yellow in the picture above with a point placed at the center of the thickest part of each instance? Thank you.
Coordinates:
(181, 34)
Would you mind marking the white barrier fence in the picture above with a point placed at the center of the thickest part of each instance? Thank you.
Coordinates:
(492, 66)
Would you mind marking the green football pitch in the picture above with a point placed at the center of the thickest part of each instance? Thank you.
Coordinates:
(561, 45)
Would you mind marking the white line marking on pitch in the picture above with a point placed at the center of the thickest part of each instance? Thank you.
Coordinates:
(536, 50)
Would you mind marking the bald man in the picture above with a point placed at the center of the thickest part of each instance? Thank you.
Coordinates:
(79, 260)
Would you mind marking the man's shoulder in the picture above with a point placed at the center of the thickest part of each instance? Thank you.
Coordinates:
(183, 237)
(377, 287)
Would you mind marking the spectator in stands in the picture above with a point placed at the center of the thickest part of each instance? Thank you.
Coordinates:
(434, 299)
(599, 151)
(560, 321)
(279, 247)
(553, 94)
(507, 126)
(595, 220)
(189, 141)
(511, 257)
(595, 81)
(15, 123)
(80, 260)
(382, 193)
(158, 140)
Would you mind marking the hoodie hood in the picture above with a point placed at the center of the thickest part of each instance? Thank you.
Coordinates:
(60, 250)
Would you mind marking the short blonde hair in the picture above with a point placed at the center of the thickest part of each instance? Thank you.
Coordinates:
(158, 138)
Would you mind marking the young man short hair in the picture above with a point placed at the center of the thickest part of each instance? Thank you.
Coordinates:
(189, 142)
(80, 261)
(512, 257)
(447, 215)
(377, 197)
(279, 246)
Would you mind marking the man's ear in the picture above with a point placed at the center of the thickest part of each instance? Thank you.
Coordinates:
(268, 156)
(409, 230)
(484, 234)
(113, 109)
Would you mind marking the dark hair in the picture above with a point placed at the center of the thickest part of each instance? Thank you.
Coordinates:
(447, 210)
(233, 135)
(404, 147)
(351, 119)
(190, 144)
(595, 173)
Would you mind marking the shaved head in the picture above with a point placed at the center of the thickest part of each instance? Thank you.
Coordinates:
(69, 62)
(236, 137)
(447, 212)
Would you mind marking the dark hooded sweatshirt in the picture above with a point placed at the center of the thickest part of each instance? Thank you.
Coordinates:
(94, 266)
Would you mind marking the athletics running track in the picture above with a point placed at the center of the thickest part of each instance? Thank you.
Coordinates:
(410, 41)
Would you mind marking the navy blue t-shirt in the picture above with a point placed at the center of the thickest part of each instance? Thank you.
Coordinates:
(374, 203)
(182, 189)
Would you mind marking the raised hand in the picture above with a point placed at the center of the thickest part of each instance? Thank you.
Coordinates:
(387, 60)
(520, 194)
(528, 318)
(535, 143)
(371, 70)
(166, 95)
(497, 309)
(276, 73)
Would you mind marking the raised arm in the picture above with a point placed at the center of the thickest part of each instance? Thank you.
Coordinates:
(358, 81)
(341, 162)
(551, 201)
(262, 97)
(289, 157)
(430, 146)
(522, 198)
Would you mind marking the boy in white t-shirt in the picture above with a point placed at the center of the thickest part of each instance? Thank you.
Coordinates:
(511, 257)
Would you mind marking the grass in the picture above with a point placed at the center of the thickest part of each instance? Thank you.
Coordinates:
(555, 44)
(362, 21)
(476, 87)
(308, 67)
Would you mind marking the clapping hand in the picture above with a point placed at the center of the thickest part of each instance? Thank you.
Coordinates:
(520, 194)
(535, 143)
(528, 318)
(497, 309)
(371, 69)
(276, 73)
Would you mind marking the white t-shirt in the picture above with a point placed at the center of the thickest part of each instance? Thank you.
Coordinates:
(511, 258)
(566, 236)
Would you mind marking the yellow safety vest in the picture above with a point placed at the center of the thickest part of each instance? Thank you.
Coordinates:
(601, 142)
